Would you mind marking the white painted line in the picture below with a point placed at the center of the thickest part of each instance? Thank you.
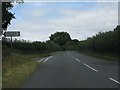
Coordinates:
(41, 60)
(90, 67)
(114, 80)
(70, 55)
(77, 59)
(47, 59)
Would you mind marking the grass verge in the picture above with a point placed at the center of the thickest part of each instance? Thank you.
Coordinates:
(104, 56)
(17, 68)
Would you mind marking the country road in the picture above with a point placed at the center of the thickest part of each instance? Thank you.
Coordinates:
(71, 69)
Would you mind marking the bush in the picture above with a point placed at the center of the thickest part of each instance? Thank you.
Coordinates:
(102, 42)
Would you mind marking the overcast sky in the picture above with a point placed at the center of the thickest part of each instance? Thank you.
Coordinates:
(38, 20)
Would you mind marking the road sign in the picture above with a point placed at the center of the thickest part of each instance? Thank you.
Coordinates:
(12, 33)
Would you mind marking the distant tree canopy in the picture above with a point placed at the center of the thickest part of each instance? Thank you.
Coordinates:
(72, 45)
(60, 38)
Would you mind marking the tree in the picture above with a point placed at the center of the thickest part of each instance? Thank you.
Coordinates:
(72, 45)
(7, 16)
(60, 38)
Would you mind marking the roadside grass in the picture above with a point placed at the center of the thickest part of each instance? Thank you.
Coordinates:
(40, 55)
(105, 56)
(17, 69)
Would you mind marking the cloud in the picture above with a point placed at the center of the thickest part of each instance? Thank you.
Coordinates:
(38, 22)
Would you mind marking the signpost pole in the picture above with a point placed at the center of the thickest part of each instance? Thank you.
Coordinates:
(11, 44)
(12, 34)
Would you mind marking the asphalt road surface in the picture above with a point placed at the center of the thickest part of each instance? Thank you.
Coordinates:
(73, 70)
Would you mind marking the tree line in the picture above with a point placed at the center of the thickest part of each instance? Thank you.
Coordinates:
(103, 42)
(27, 47)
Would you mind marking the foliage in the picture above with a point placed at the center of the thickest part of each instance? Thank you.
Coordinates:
(27, 47)
(102, 42)
(72, 45)
(7, 16)
(60, 38)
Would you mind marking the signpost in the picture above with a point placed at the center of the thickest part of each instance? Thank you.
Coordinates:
(12, 34)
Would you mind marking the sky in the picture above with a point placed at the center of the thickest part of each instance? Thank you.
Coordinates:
(38, 20)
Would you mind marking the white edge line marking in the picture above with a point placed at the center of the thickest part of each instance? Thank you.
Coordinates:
(47, 59)
(41, 60)
(70, 55)
(114, 80)
(77, 59)
(90, 67)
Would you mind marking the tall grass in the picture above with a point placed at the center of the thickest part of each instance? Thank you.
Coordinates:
(16, 69)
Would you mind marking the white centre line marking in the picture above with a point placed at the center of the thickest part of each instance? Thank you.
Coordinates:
(70, 55)
(90, 67)
(47, 59)
(77, 59)
(114, 80)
